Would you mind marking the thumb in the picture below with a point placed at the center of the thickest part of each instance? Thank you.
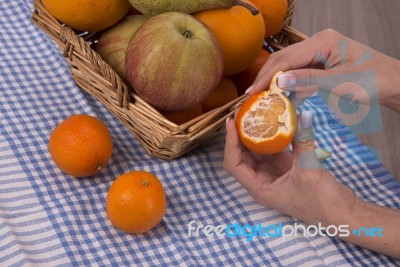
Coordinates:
(304, 156)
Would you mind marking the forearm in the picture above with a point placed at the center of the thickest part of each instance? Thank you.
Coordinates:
(373, 227)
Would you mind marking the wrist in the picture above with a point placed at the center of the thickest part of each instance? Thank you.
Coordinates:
(345, 208)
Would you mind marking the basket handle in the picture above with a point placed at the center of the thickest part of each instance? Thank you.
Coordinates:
(289, 15)
(76, 46)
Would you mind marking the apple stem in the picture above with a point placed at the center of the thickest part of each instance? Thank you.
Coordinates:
(188, 34)
(250, 7)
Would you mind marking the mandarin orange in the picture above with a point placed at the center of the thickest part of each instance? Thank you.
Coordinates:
(81, 145)
(245, 79)
(136, 202)
(274, 14)
(239, 33)
(180, 117)
(266, 122)
(87, 15)
(223, 94)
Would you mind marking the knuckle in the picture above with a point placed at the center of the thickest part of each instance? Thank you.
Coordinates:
(312, 77)
(328, 33)
(308, 77)
(304, 146)
(228, 166)
(329, 37)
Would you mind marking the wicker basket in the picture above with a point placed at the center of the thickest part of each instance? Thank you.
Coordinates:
(160, 137)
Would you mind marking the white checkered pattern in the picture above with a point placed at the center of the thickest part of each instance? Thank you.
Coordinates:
(50, 219)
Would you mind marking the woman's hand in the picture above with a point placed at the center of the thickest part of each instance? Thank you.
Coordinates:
(298, 185)
(294, 183)
(318, 62)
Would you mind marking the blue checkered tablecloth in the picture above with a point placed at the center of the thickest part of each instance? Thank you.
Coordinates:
(50, 219)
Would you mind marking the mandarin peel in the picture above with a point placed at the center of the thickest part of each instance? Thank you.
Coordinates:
(322, 154)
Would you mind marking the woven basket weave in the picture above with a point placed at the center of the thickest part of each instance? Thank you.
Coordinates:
(160, 137)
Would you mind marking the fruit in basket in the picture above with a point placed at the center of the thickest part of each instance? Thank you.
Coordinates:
(113, 42)
(223, 94)
(266, 122)
(180, 117)
(87, 15)
(244, 79)
(136, 202)
(238, 32)
(80, 145)
(173, 61)
(152, 8)
(274, 13)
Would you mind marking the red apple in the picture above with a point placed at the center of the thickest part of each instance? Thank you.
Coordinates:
(113, 42)
(173, 61)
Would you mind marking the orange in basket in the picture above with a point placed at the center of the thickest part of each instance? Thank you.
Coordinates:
(245, 79)
(180, 117)
(239, 33)
(273, 12)
(136, 202)
(266, 122)
(223, 94)
(87, 15)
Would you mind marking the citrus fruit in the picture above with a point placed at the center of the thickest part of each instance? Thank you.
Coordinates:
(223, 94)
(266, 122)
(87, 15)
(273, 12)
(245, 78)
(239, 34)
(80, 145)
(135, 202)
(180, 117)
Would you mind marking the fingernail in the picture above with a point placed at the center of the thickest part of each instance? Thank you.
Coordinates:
(286, 80)
(227, 121)
(306, 119)
(249, 89)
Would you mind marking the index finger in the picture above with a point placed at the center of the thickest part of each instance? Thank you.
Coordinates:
(296, 56)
